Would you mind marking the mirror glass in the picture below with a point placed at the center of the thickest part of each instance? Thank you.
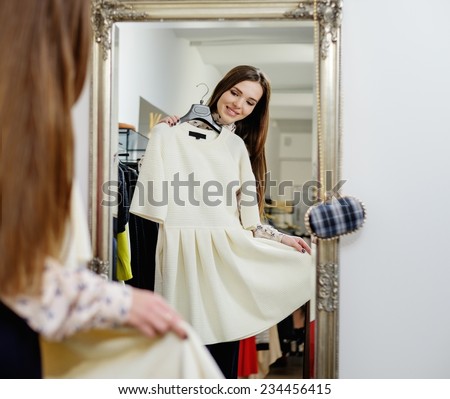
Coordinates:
(162, 68)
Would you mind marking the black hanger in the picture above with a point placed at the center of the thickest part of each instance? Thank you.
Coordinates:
(201, 112)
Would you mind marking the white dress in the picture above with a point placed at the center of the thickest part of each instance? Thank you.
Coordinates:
(226, 283)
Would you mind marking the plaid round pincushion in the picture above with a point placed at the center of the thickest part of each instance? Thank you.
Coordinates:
(336, 217)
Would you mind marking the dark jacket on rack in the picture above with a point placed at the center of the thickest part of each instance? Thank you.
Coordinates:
(143, 236)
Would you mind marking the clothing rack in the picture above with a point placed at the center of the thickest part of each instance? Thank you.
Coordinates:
(132, 145)
(138, 252)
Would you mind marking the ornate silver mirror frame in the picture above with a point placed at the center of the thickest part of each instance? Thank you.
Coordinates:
(107, 12)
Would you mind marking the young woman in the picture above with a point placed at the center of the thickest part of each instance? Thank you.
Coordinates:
(240, 101)
(45, 46)
(227, 283)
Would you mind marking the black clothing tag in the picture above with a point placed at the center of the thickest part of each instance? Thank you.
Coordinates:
(197, 135)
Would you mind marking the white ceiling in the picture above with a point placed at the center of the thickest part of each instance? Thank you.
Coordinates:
(284, 50)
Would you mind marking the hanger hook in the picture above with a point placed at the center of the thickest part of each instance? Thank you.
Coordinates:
(207, 91)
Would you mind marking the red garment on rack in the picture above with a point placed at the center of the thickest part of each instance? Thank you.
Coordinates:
(248, 357)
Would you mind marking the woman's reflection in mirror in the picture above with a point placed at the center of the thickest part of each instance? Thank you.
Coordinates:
(226, 272)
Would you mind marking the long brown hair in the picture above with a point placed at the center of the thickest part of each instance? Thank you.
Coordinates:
(45, 49)
(252, 129)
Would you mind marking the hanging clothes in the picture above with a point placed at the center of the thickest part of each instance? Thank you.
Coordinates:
(134, 238)
(225, 282)
(143, 235)
(122, 270)
(248, 358)
(268, 349)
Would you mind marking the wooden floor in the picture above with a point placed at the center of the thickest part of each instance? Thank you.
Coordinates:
(291, 368)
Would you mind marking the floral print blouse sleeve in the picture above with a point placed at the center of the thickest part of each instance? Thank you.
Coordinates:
(72, 301)
(261, 230)
(267, 231)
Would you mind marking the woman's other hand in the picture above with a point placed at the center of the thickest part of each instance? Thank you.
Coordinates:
(170, 120)
(152, 315)
(296, 242)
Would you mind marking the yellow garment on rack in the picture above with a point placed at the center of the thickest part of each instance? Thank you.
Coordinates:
(125, 353)
(124, 271)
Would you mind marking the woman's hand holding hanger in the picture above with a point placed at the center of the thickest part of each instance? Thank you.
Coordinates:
(171, 120)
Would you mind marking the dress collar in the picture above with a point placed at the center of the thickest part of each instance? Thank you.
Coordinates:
(202, 125)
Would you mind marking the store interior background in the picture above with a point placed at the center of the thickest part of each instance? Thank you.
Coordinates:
(165, 67)
(394, 274)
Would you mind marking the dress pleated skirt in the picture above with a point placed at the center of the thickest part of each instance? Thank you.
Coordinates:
(228, 284)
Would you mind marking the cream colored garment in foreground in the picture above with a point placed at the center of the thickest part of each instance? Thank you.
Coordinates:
(125, 353)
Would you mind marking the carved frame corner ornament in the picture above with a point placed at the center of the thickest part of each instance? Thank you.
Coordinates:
(104, 13)
(328, 287)
(329, 13)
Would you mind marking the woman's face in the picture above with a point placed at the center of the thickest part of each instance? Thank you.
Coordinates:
(239, 101)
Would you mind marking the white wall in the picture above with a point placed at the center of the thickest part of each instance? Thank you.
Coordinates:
(395, 275)
(161, 68)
